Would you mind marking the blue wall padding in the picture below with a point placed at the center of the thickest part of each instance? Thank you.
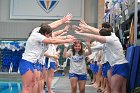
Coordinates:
(134, 68)
(129, 57)
(138, 72)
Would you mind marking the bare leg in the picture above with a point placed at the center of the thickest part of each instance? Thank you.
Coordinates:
(37, 76)
(82, 86)
(116, 83)
(97, 83)
(73, 84)
(44, 75)
(27, 84)
(49, 80)
(107, 88)
(124, 86)
(109, 74)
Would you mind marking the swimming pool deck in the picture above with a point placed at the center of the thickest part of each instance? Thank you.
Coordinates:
(63, 86)
(60, 84)
(14, 76)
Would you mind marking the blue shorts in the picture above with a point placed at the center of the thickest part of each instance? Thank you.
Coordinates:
(24, 66)
(121, 69)
(79, 77)
(38, 66)
(94, 67)
(105, 67)
(46, 62)
(52, 65)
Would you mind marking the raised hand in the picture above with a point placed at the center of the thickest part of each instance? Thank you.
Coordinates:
(66, 45)
(74, 27)
(83, 22)
(83, 25)
(66, 28)
(70, 37)
(88, 42)
(67, 18)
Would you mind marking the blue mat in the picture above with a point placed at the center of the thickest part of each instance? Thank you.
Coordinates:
(138, 73)
(134, 68)
(129, 57)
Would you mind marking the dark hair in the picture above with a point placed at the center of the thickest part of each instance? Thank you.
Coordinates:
(45, 29)
(105, 32)
(107, 25)
(81, 50)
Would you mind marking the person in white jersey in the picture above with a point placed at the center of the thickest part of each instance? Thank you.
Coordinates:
(34, 48)
(114, 54)
(53, 56)
(77, 72)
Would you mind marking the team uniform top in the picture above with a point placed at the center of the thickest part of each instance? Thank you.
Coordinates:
(77, 63)
(34, 46)
(114, 50)
(95, 50)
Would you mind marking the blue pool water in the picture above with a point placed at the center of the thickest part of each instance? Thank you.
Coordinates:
(10, 87)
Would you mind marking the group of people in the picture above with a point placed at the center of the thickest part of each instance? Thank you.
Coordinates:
(40, 57)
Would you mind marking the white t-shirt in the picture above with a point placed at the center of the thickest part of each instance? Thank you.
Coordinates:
(51, 50)
(77, 63)
(104, 58)
(34, 46)
(41, 60)
(114, 50)
(95, 50)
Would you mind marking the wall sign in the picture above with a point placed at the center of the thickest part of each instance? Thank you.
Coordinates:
(46, 9)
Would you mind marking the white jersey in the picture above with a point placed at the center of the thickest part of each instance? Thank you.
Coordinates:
(77, 63)
(51, 51)
(41, 60)
(104, 58)
(114, 50)
(34, 46)
(95, 50)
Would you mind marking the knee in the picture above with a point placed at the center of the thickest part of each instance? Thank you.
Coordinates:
(74, 88)
(114, 91)
(26, 88)
(82, 90)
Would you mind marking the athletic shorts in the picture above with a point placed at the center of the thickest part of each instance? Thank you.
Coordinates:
(94, 67)
(121, 69)
(105, 67)
(38, 66)
(52, 65)
(24, 66)
(46, 62)
(79, 77)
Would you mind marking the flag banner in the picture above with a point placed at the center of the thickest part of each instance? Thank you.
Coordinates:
(46, 9)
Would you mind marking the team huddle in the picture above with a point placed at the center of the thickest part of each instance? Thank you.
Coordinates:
(40, 57)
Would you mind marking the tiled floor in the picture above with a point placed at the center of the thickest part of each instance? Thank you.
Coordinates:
(63, 86)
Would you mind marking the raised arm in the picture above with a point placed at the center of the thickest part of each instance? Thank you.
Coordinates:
(88, 28)
(58, 40)
(61, 32)
(97, 47)
(65, 19)
(66, 54)
(88, 47)
(101, 39)
(55, 56)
